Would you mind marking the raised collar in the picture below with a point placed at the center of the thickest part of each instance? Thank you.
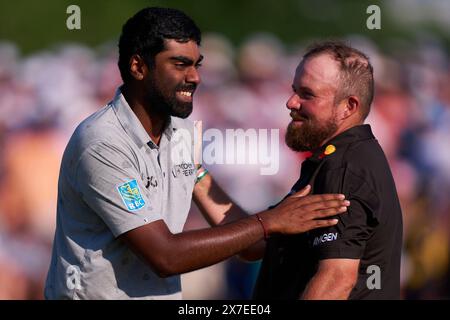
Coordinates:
(131, 124)
(354, 134)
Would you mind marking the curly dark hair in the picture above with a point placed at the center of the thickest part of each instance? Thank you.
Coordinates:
(145, 32)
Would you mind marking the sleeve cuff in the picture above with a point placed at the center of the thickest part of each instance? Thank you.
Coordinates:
(343, 253)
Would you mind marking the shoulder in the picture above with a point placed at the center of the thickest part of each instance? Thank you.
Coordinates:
(99, 134)
(361, 159)
(100, 127)
(359, 154)
(366, 156)
(356, 168)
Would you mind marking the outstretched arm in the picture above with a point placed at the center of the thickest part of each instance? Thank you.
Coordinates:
(171, 254)
(218, 209)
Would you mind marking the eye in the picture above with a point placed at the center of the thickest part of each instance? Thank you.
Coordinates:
(180, 65)
(306, 95)
(198, 65)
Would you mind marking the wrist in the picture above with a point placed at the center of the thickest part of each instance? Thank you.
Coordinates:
(264, 229)
(200, 173)
(268, 221)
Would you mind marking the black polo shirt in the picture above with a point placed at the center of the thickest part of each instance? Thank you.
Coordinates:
(354, 164)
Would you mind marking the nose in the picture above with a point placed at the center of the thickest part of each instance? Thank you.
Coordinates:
(193, 76)
(293, 102)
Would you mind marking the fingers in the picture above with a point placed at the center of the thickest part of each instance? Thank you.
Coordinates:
(314, 224)
(329, 212)
(303, 192)
(309, 199)
(326, 205)
(321, 224)
(325, 197)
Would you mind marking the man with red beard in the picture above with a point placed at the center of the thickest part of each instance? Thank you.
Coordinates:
(359, 258)
(125, 187)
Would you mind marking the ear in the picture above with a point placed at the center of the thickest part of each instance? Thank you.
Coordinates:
(349, 107)
(138, 68)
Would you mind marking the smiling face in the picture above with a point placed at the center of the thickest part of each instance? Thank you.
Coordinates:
(173, 78)
(312, 104)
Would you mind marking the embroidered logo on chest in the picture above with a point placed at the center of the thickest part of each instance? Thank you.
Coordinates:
(183, 169)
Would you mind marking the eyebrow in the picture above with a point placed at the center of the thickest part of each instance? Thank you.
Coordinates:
(302, 88)
(186, 60)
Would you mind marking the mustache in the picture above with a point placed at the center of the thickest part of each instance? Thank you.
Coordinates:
(297, 116)
(186, 87)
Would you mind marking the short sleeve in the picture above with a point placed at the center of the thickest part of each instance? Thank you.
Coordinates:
(112, 187)
(348, 238)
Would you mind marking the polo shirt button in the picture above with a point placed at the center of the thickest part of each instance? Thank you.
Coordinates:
(164, 174)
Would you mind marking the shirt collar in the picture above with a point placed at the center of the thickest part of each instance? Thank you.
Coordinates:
(167, 132)
(357, 133)
(131, 124)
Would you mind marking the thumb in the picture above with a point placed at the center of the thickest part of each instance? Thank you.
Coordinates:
(303, 192)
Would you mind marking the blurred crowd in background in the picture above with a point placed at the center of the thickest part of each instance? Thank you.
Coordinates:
(43, 96)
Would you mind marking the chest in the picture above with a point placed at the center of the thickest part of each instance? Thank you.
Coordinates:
(169, 181)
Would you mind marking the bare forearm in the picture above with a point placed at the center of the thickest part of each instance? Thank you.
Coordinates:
(325, 286)
(196, 249)
(325, 291)
(219, 209)
(215, 205)
(172, 254)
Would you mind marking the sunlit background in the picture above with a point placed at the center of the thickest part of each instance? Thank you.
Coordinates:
(51, 78)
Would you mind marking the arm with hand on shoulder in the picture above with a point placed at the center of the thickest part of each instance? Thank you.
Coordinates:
(233, 231)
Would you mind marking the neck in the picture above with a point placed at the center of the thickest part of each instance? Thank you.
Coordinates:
(342, 128)
(153, 122)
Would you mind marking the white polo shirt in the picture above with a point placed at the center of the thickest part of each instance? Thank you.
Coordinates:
(113, 179)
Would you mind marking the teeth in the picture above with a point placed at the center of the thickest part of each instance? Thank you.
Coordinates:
(186, 93)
